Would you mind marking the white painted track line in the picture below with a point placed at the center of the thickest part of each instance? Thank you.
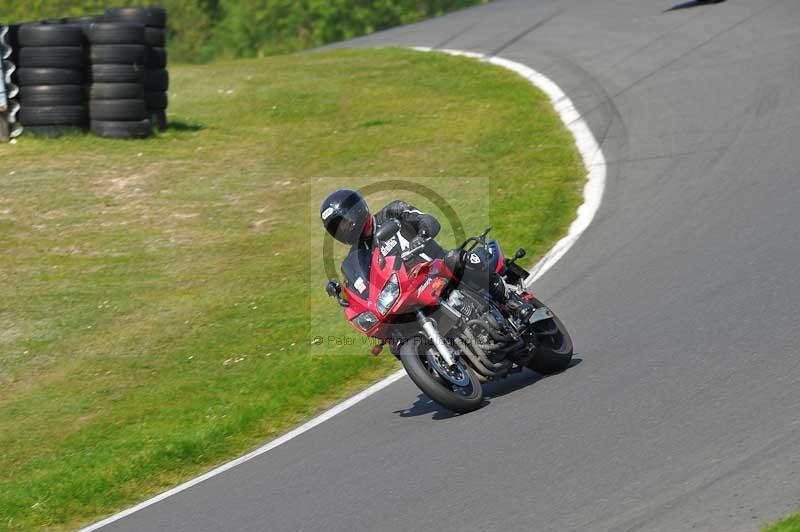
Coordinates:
(305, 427)
(593, 159)
(595, 163)
(591, 153)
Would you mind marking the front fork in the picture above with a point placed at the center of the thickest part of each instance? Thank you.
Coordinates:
(430, 330)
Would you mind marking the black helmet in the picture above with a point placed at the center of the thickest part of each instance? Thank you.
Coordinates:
(344, 214)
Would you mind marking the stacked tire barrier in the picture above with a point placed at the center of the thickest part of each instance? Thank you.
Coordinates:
(106, 73)
(156, 76)
(51, 76)
(116, 97)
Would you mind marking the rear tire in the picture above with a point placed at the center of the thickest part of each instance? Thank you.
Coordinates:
(156, 80)
(552, 356)
(116, 91)
(50, 76)
(82, 22)
(51, 95)
(156, 58)
(35, 34)
(122, 129)
(115, 33)
(156, 101)
(52, 56)
(117, 110)
(61, 115)
(118, 54)
(117, 73)
(155, 17)
(435, 389)
(155, 37)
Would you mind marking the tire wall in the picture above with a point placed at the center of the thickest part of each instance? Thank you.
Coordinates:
(156, 76)
(51, 66)
(62, 72)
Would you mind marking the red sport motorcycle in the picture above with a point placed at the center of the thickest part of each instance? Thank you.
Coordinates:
(441, 321)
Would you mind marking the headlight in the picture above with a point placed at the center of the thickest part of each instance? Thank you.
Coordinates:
(389, 294)
(365, 320)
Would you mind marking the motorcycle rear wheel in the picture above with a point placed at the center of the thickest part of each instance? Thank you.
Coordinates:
(554, 352)
(459, 400)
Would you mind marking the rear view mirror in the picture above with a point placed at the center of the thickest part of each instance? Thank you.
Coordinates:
(333, 289)
(387, 230)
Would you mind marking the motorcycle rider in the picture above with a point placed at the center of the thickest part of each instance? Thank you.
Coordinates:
(347, 218)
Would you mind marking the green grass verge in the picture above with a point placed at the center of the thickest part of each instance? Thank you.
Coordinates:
(155, 307)
(790, 524)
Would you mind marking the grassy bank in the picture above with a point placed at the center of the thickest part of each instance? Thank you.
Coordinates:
(156, 312)
(790, 524)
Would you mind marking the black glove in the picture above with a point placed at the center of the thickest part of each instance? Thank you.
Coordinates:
(418, 240)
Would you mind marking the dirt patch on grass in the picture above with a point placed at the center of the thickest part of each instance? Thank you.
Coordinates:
(9, 332)
(128, 183)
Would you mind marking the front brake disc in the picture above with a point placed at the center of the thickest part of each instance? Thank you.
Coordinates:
(458, 375)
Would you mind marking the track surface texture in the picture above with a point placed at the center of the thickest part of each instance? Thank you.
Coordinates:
(684, 410)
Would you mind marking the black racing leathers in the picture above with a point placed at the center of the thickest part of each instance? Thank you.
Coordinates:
(413, 223)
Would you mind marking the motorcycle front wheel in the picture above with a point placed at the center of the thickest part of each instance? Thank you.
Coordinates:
(457, 399)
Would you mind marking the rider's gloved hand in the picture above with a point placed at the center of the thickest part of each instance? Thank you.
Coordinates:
(418, 240)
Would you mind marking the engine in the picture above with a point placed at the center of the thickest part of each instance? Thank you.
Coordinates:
(482, 334)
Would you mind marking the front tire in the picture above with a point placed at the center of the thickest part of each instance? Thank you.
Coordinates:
(553, 351)
(436, 388)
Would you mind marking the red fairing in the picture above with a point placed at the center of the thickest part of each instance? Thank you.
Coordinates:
(413, 295)
(501, 259)
(368, 227)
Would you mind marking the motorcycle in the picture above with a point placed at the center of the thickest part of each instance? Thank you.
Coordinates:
(441, 321)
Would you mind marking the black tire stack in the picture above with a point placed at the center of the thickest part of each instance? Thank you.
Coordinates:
(50, 76)
(156, 76)
(117, 107)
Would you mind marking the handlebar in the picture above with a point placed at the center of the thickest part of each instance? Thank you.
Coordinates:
(480, 239)
(413, 251)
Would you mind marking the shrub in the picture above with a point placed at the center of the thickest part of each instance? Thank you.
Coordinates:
(200, 30)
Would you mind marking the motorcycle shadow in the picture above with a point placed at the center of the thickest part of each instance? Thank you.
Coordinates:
(491, 390)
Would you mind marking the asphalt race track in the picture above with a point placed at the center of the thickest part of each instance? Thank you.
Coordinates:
(684, 410)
